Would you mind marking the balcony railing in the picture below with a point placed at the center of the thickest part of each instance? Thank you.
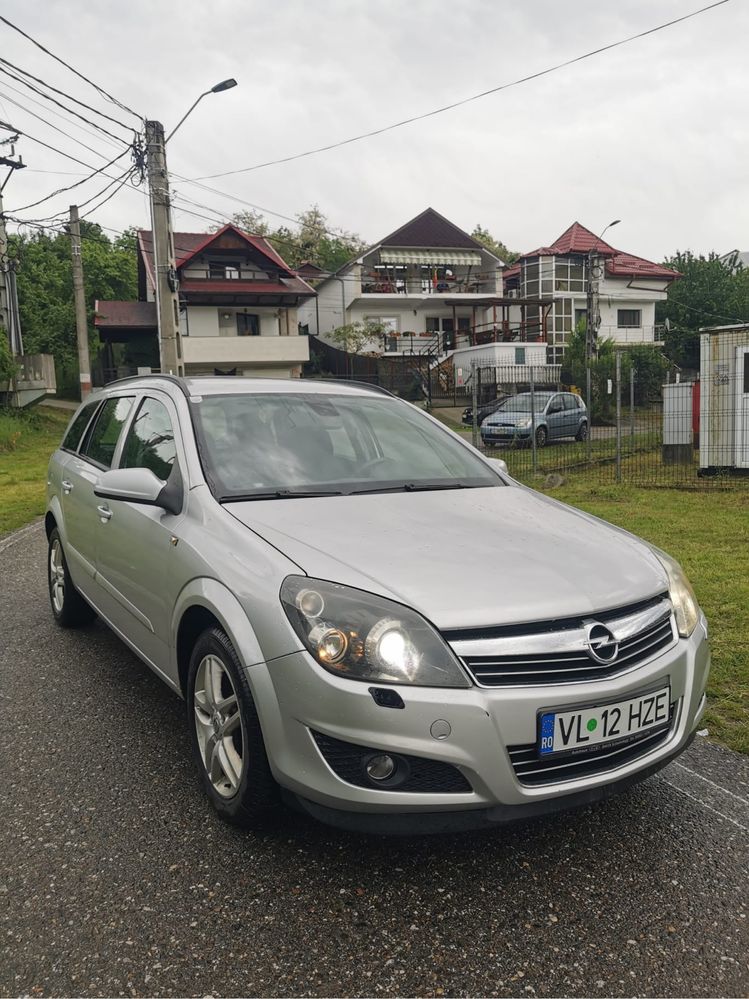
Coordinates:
(419, 288)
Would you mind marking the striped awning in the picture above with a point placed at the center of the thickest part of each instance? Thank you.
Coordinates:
(431, 258)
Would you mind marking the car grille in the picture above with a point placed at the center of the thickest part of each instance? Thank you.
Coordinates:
(557, 652)
(533, 770)
(413, 773)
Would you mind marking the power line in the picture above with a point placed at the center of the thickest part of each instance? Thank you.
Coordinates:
(467, 100)
(51, 110)
(67, 65)
(36, 90)
(60, 130)
(61, 190)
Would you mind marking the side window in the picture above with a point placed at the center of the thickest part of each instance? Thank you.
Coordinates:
(150, 440)
(75, 431)
(101, 440)
(556, 405)
(570, 401)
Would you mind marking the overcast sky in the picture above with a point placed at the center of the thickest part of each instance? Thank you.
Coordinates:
(653, 133)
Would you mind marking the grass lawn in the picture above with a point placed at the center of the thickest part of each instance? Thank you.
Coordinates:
(27, 439)
(707, 530)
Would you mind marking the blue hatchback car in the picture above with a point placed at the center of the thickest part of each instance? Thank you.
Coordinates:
(557, 414)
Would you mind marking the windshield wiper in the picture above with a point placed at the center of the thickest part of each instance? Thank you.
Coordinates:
(264, 494)
(414, 487)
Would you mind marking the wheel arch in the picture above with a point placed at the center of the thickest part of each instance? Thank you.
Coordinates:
(206, 603)
(53, 518)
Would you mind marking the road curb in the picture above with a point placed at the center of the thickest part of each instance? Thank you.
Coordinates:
(18, 535)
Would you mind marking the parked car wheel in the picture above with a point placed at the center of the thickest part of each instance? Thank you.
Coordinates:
(69, 608)
(541, 437)
(225, 733)
(582, 433)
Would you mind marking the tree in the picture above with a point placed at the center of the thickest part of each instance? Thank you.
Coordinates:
(309, 240)
(355, 338)
(495, 246)
(712, 291)
(45, 290)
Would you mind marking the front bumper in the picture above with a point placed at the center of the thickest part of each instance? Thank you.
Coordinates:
(295, 697)
(507, 435)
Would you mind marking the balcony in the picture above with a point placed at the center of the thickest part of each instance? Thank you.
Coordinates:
(252, 351)
(651, 335)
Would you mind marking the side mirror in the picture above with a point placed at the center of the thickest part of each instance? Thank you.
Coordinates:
(140, 485)
(500, 465)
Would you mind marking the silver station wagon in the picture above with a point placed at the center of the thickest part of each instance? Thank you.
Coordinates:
(367, 618)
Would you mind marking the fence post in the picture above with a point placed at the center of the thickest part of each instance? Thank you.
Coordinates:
(618, 416)
(589, 404)
(534, 445)
(632, 407)
(475, 401)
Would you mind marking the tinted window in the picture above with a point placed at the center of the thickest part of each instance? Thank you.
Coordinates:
(102, 439)
(79, 424)
(150, 440)
(258, 442)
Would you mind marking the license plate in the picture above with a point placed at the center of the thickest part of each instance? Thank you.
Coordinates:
(565, 731)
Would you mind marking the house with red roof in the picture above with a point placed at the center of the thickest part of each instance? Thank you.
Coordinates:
(628, 288)
(239, 304)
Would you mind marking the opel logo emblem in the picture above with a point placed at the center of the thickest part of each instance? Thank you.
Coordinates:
(602, 646)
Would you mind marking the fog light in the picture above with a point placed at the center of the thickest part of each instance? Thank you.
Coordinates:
(380, 767)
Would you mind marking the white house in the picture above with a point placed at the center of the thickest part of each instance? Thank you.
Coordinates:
(629, 288)
(238, 309)
(428, 283)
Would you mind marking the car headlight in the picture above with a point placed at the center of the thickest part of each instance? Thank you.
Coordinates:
(686, 608)
(361, 636)
(524, 424)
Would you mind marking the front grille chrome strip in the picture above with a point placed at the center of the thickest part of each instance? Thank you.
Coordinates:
(561, 655)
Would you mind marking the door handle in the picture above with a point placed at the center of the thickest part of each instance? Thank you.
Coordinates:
(67, 486)
(104, 512)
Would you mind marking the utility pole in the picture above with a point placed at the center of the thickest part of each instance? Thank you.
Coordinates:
(165, 270)
(79, 295)
(9, 315)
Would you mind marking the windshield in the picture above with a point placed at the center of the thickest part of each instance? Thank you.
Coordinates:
(522, 403)
(257, 445)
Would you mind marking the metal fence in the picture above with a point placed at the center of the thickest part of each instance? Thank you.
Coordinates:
(675, 431)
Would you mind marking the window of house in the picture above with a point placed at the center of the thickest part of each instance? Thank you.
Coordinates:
(628, 318)
(224, 270)
(520, 355)
(247, 324)
(581, 316)
(150, 440)
(569, 274)
(562, 319)
(101, 442)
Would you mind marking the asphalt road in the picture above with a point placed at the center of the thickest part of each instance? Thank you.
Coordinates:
(117, 879)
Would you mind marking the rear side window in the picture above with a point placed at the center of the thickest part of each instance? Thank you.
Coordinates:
(101, 441)
(150, 440)
(570, 402)
(75, 431)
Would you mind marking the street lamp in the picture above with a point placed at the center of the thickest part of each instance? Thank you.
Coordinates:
(224, 85)
(591, 329)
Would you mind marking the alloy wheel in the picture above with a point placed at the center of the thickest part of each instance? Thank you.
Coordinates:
(57, 576)
(218, 725)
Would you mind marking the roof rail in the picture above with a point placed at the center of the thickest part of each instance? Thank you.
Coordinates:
(174, 379)
(353, 381)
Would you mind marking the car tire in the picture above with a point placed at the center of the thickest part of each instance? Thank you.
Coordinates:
(582, 433)
(234, 768)
(541, 436)
(69, 608)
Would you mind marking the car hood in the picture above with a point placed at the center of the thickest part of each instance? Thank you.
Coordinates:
(463, 558)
